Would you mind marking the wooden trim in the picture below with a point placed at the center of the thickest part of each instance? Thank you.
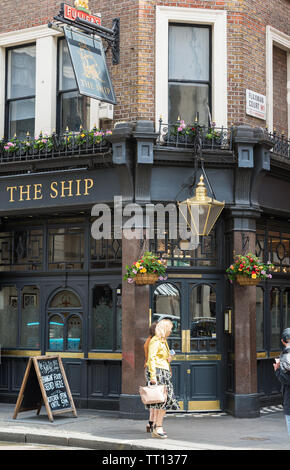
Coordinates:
(19, 352)
(65, 354)
(185, 276)
(105, 356)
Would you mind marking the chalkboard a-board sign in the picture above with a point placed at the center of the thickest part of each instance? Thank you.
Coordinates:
(45, 382)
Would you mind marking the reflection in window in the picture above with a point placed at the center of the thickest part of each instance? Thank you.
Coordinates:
(21, 91)
(74, 109)
(275, 318)
(102, 318)
(74, 333)
(166, 304)
(65, 324)
(66, 248)
(203, 318)
(30, 317)
(56, 333)
(8, 316)
(286, 308)
(259, 318)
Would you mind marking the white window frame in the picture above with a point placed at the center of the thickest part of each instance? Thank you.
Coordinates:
(217, 19)
(274, 37)
(46, 79)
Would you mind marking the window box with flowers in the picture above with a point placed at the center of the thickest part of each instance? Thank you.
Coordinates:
(147, 270)
(248, 270)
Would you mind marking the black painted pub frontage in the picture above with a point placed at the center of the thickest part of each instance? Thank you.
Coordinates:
(62, 290)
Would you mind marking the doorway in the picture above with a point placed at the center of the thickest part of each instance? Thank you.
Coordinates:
(195, 307)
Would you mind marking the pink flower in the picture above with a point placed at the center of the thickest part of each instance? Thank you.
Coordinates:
(130, 280)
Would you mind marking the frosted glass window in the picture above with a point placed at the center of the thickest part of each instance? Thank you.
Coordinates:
(189, 74)
(189, 53)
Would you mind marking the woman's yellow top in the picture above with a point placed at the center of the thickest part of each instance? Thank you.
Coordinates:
(158, 354)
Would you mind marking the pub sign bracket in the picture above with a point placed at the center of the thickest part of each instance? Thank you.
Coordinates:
(91, 27)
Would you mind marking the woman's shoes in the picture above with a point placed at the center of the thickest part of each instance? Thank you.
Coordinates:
(149, 427)
(159, 433)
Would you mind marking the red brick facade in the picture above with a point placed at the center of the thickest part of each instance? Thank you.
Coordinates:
(134, 77)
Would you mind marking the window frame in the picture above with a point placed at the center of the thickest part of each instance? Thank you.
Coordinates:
(217, 19)
(199, 82)
(8, 101)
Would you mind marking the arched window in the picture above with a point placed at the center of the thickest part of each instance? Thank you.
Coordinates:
(65, 322)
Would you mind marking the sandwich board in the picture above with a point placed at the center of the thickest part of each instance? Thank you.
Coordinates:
(45, 382)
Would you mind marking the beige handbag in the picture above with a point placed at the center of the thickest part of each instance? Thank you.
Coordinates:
(151, 394)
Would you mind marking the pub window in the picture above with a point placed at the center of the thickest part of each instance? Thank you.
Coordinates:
(8, 317)
(21, 250)
(65, 322)
(202, 308)
(106, 318)
(73, 109)
(66, 248)
(29, 335)
(189, 74)
(20, 91)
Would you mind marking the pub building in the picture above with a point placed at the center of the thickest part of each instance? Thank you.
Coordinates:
(62, 290)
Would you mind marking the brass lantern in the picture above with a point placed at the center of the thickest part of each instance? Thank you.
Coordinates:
(201, 211)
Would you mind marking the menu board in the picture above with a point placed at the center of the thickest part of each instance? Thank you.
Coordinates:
(45, 383)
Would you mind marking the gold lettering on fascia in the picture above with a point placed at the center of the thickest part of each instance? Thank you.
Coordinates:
(57, 189)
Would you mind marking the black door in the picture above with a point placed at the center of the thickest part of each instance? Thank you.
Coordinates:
(195, 307)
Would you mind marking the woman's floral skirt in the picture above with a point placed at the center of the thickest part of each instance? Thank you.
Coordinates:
(163, 377)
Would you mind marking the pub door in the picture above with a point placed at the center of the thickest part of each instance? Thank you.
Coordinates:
(195, 307)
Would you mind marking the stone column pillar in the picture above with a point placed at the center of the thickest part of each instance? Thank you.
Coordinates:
(253, 161)
(245, 400)
(135, 329)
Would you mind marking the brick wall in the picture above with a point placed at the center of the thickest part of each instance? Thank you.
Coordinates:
(134, 77)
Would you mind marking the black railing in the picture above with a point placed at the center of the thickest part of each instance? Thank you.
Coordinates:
(53, 146)
(183, 135)
(281, 145)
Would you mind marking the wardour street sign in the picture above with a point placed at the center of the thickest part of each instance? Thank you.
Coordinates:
(89, 64)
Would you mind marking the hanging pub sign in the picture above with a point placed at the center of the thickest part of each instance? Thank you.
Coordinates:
(89, 64)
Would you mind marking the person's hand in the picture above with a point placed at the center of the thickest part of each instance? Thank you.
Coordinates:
(276, 364)
(169, 359)
(152, 382)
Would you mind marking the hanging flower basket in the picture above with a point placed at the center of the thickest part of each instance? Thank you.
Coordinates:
(247, 281)
(145, 279)
(146, 271)
(248, 270)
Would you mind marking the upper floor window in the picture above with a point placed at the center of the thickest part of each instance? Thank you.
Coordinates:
(189, 83)
(20, 91)
(73, 108)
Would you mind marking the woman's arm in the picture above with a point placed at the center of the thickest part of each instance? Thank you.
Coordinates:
(151, 363)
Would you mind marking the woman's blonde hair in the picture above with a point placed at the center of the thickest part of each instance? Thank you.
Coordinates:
(163, 328)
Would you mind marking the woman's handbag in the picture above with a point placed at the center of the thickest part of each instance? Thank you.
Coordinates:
(153, 394)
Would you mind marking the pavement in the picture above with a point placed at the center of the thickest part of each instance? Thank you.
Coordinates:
(103, 430)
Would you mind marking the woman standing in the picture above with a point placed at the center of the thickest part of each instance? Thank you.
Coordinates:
(158, 372)
(152, 421)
